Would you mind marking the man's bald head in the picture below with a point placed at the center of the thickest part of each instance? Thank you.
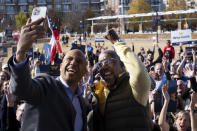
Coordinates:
(110, 53)
(73, 67)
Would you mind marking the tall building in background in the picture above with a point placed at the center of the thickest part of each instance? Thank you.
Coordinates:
(113, 5)
(9, 8)
(120, 7)
(124, 6)
(103, 6)
(165, 3)
(191, 4)
(157, 5)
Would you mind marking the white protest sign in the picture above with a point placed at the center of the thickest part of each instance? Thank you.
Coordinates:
(99, 39)
(181, 36)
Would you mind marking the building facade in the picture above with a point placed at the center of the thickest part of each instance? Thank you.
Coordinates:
(120, 7)
(157, 5)
(191, 4)
(9, 8)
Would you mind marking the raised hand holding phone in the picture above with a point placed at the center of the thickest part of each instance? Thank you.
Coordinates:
(29, 34)
(39, 12)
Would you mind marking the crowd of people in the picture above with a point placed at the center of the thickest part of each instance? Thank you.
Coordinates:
(110, 90)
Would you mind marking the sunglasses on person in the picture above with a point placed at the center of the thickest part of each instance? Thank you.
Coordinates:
(177, 78)
(106, 61)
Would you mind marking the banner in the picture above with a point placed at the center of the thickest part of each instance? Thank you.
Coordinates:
(3, 51)
(181, 36)
(99, 39)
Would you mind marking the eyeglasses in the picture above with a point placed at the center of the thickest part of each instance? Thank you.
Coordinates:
(106, 61)
(177, 78)
(181, 85)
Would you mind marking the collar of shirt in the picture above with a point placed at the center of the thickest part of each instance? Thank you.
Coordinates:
(69, 91)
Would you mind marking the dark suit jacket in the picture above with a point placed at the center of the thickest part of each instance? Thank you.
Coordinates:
(48, 106)
(3, 114)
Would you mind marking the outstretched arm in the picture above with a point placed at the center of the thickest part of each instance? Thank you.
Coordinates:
(159, 58)
(162, 118)
(191, 75)
(21, 83)
(139, 78)
(193, 116)
(194, 59)
(181, 65)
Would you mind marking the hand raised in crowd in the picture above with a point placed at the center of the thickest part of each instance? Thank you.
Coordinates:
(188, 72)
(181, 44)
(156, 44)
(165, 93)
(165, 64)
(193, 100)
(87, 92)
(193, 52)
(112, 36)
(10, 98)
(29, 34)
(173, 61)
(37, 62)
(152, 95)
(1, 59)
(184, 55)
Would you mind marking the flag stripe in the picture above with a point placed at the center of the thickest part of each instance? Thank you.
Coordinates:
(54, 42)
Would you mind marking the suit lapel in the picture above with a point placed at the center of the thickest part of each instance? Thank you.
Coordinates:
(66, 99)
(84, 108)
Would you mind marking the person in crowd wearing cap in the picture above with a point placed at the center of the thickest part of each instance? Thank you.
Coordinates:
(122, 103)
(51, 104)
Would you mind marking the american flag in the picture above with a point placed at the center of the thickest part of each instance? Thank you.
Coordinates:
(54, 42)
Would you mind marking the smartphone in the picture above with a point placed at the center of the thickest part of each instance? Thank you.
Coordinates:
(39, 12)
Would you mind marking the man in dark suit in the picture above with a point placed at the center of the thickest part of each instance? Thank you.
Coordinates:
(51, 104)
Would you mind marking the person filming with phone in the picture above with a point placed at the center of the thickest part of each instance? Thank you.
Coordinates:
(51, 104)
(124, 106)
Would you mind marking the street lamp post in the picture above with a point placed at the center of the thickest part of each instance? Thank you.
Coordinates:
(157, 20)
(81, 26)
(156, 5)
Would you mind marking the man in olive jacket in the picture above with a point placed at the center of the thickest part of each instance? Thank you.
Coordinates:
(122, 104)
(52, 104)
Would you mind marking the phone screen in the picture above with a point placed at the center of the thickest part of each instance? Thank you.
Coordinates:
(38, 12)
